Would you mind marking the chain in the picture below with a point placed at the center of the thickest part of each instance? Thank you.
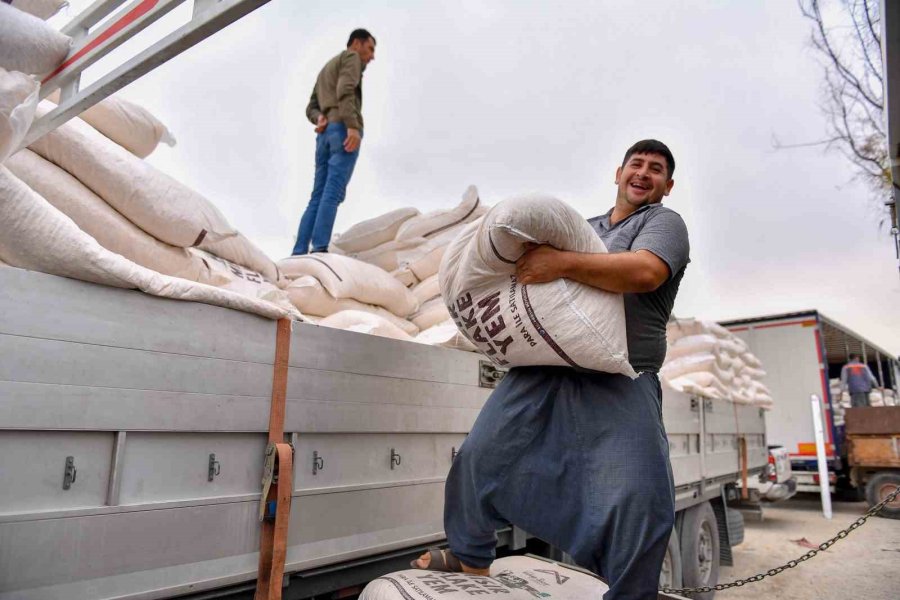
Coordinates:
(792, 563)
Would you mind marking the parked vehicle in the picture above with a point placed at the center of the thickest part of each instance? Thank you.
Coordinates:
(776, 482)
(800, 353)
(133, 430)
(873, 453)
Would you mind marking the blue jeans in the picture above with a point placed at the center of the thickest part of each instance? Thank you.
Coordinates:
(334, 166)
(579, 460)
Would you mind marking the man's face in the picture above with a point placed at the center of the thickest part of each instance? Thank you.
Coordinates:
(644, 179)
(365, 49)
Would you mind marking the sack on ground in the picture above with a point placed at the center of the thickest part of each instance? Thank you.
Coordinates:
(436, 222)
(311, 298)
(129, 125)
(365, 322)
(101, 221)
(370, 233)
(346, 277)
(557, 323)
(18, 102)
(35, 235)
(28, 44)
(161, 206)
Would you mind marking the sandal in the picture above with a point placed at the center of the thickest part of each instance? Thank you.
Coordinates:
(441, 560)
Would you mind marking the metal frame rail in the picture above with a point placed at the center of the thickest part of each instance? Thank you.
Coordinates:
(97, 31)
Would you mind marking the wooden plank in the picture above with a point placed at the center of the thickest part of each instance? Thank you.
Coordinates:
(96, 314)
(873, 420)
(874, 451)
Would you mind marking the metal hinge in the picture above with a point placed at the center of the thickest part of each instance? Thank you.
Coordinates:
(489, 375)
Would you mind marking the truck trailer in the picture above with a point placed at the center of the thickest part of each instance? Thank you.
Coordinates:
(801, 352)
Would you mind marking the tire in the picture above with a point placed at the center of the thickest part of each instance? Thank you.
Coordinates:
(670, 575)
(700, 549)
(879, 486)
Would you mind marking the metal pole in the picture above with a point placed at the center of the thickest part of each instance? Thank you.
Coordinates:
(880, 372)
(824, 484)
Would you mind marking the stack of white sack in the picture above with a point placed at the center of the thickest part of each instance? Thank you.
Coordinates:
(557, 323)
(35, 235)
(408, 244)
(166, 218)
(28, 44)
(323, 284)
(707, 360)
(879, 397)
(840, 400)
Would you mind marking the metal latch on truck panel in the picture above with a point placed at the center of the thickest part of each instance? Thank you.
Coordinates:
(318, 462)
(489, 375)
(395, 459)
(214, 468)
(70, 473)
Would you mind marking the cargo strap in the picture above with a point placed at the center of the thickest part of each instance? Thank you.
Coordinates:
(277, 481)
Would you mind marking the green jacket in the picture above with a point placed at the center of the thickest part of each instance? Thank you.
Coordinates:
(338, 91)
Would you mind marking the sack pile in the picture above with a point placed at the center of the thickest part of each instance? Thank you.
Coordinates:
(840, 399)
(707, 360)
(108, 216)
(407, 244)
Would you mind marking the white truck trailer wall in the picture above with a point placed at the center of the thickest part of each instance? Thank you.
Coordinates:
(791, 353)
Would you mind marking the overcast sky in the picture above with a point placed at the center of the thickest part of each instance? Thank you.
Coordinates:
(520, 96)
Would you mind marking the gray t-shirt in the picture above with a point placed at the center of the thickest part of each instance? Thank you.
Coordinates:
(663, 232)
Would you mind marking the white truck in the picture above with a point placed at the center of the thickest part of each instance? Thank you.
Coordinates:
(801, 352)
(133, 429)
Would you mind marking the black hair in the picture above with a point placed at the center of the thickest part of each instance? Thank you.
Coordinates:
(360, 34)
(855, 355)
(652, 147)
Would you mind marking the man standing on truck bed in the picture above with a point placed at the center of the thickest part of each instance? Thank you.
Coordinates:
(858, 380)
(577, 458)
(335, 108)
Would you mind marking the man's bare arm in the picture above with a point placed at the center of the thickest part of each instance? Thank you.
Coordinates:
(632, 272)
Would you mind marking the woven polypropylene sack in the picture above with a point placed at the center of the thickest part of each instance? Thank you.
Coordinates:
(28, 44)
(102, 222)
(346, 277)
(434, 223)
(166, 209)
(370, 233)
(18, 102)
(365, 322)
(556, 323)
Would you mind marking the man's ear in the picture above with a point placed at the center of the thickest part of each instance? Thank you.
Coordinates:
(669, 185)
(618, 175)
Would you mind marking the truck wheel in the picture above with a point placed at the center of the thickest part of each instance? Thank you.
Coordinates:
(670, 575)
(700, 549)
(878, 489)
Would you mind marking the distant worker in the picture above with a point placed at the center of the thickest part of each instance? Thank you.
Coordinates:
(335, 108)
(857, 379)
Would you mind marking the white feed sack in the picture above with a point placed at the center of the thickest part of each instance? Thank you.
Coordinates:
(557, 323)
(42, 9)
(161, 206)
(431, 313)
(311, 298)
(101, 221)
(424, 260)
(386, 256)
(427, 289)
(242, 280)
(28, 44)
(35, 235)
(129, 125)
(18, 102)
(433, 223)
(405, 276)
(346, 277)
(240, 250)
(446, 335)
(370, 233)
(365, 322)
(511, 578)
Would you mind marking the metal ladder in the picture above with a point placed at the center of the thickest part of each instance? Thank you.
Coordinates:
(97, 31)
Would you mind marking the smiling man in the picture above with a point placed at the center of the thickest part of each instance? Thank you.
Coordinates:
(577, 458)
